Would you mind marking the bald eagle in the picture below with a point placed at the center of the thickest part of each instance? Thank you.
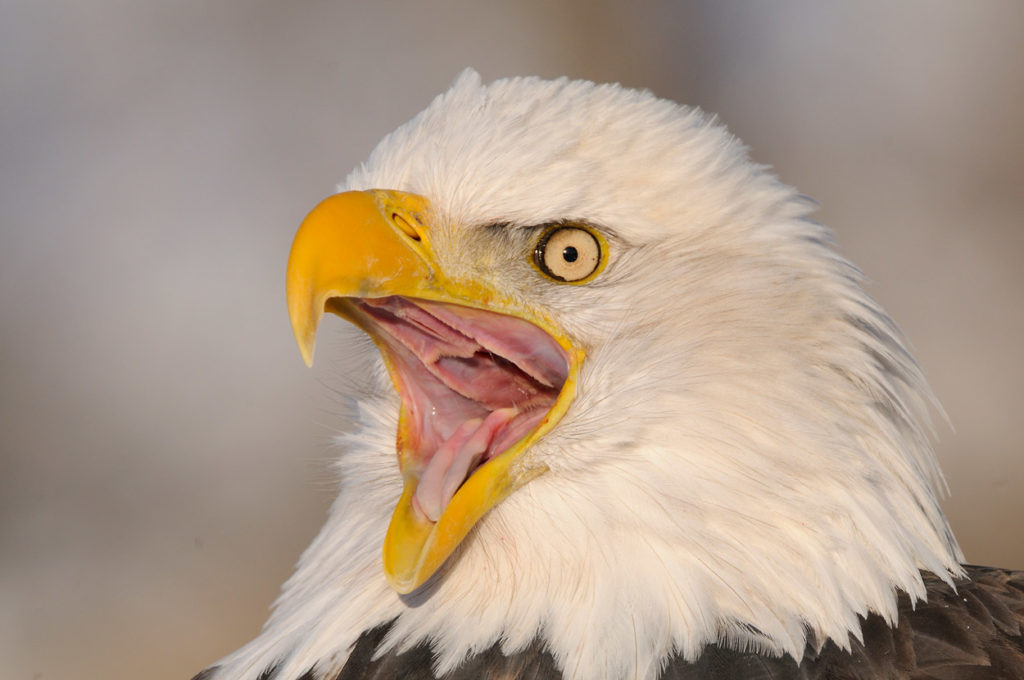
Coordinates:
(633, 418)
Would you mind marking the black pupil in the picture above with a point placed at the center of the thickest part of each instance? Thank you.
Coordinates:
(570, 254)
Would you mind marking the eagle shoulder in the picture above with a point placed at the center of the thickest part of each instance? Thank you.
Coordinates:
(974, 631)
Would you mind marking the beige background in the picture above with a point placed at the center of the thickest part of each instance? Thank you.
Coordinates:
(162, 448)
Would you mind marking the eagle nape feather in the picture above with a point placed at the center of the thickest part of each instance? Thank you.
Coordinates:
(635, 418)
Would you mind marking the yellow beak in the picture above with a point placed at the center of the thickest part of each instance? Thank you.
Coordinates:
(376, 244)
(356, 244)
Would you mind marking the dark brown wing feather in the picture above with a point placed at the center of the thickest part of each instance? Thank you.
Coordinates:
(533, 663)
(975, 632)
(972, 633)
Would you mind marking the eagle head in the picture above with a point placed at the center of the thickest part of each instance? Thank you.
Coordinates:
(630, 401)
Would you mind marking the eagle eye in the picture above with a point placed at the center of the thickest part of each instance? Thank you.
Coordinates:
(569, 253)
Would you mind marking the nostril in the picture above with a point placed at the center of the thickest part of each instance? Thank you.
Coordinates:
(407, 228)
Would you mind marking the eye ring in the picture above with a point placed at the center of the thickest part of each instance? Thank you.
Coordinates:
(570, 253)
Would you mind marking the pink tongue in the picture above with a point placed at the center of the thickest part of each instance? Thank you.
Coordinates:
(453, 460)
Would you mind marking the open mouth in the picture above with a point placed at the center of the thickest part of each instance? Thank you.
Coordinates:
(478, 388)
(473, 383)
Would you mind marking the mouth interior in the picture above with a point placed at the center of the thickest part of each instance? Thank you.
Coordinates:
(472, 383)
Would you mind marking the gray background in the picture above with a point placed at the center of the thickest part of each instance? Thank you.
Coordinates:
(162, 449)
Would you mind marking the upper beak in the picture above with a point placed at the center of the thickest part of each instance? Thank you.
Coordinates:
(356, 244)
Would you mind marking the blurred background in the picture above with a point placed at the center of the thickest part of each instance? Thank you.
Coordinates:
(163, 451)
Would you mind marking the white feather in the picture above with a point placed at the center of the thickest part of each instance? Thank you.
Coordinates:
(747, 461)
